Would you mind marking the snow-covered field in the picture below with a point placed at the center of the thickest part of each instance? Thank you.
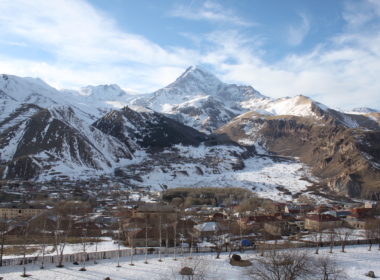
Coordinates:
(355, 262)
(107, 244)
(356, 234)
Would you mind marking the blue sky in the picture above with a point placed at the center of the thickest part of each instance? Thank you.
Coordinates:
(326, 49)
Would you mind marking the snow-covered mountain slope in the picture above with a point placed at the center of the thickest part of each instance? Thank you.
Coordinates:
(43, 136)
(16, 91)
(54, 144)
(341, 148)
(301, 106)
(99, 100)
(195, 82)
(29, 89)
(204, 113)
(199, 99)
(363, 110)
(49, 134)
(220, 166)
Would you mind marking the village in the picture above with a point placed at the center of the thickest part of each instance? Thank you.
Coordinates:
(171, 221)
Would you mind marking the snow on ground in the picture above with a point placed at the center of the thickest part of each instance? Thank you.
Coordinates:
(355, 263)
(106, 245)
(262, 174)
(356, 234)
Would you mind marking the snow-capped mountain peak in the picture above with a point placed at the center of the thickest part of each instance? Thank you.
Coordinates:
(103, 91)
(199, 99)
(22, 88)
(197, 81)
(99, 100)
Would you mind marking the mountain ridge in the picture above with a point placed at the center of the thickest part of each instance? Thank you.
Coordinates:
(103, 130)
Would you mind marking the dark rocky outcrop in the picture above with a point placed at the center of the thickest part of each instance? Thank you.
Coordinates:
(148, 129)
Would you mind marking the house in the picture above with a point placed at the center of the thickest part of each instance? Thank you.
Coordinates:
(358, 223)
(278, 228)
(149, 229)
(255, 223)
(321, 222)
(298, 208)
(362, 212)
(208, 230)
(86, 228)
(279, 207)
(22, 211)
(370, 204)
(339, 213)
(218, 216)
(155, 210)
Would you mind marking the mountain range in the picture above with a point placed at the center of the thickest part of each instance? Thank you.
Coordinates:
(195, 127)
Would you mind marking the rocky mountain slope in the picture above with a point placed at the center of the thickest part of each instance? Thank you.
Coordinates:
(196, 131)
(42, 136)
(147, 129)
(46, 136)
(343, 150)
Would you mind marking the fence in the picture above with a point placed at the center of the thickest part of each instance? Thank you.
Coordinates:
(91, 256)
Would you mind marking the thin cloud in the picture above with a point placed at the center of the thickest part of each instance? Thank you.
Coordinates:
(83, 45)
(73, 30)
(89, 48)
(357, 14)
(209, 11)
(297, 33)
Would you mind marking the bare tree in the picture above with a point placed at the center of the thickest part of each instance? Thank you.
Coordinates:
(262, 246)
(191, 247)
(218, 241)
(84, 243)
(3, 232)
(117, 192)
(131, 234)
(61, 232)
(24, 233)
(377, 232)
(331, 235)
(343, 235)
(316, 237)
(146, 240)
(288, 264)
(166, 226)
(118, 241)
(327, 269)
(160, 237)
(371, 232)
(174, 225)
(96, 250)
(43, 243)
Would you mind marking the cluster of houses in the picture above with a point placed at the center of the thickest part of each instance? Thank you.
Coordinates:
(155, 223)
(140, 219)
(292, 219)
